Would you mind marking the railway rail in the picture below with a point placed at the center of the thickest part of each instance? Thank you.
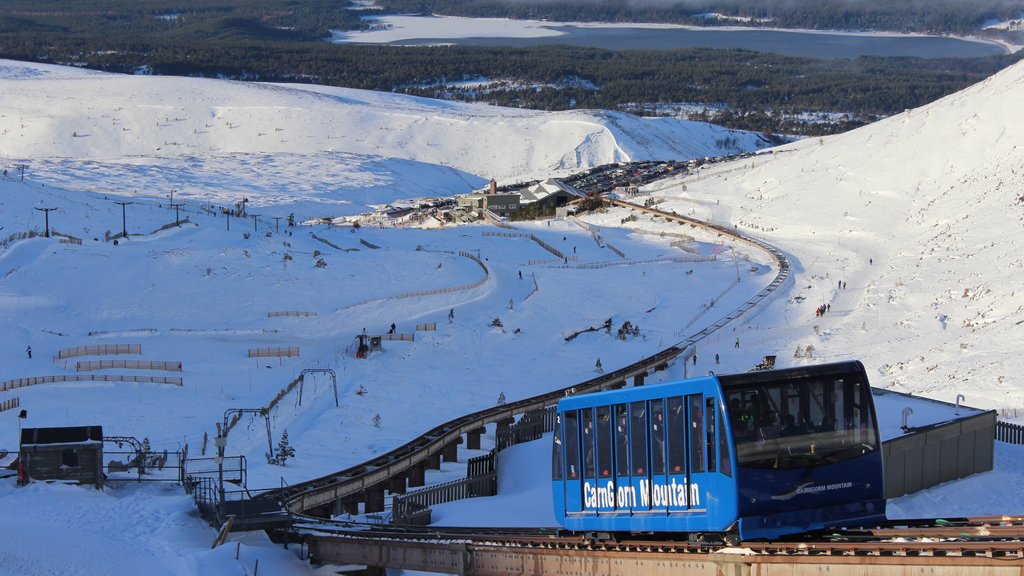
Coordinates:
(992, 545)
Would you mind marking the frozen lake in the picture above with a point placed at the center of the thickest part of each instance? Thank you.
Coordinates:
(434, 30)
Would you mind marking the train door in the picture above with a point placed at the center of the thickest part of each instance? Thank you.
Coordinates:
(573, 473)
(640, 472)
(602, 494)
(659, 478)
(697, 439)
(587, 447)
(677, 444)
(625, 497)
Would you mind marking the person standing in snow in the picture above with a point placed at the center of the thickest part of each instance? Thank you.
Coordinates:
(29, 352)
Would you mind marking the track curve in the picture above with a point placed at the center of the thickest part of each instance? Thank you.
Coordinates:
(305, 497)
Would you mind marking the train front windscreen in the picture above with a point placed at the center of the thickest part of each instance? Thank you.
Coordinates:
(797, 424)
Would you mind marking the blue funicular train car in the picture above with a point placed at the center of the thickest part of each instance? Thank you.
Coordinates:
(754, 456)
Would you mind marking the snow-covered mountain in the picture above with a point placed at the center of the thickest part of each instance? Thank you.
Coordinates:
(934, 197)
(247, 136)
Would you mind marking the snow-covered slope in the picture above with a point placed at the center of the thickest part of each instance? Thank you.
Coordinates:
(111, 118)
(934, 197)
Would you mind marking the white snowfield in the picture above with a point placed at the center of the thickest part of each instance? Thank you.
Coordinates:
(237, 132)
(919, 216)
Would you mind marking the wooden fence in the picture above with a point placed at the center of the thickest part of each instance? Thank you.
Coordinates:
(10, 239)
(402, 337)
(547, 246)
(1009, 432)
(98, 350)
(88, 365)
(10, 404)
(530, 427)
(453, 288)
(22, 382)
(404, 508)
(289, 313)
(279, 352)
(429, 327)
(550, 261)
(507, 234)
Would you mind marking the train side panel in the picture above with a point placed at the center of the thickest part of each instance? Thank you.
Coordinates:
(763, 454)
(650, 459)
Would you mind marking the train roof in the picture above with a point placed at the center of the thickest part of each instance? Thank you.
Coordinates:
(727, 381)
(634, 393)
(795, 373)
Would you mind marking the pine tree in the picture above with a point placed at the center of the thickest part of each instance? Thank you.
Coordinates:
(284, 451)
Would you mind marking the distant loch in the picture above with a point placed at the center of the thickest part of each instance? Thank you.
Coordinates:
(441, 30)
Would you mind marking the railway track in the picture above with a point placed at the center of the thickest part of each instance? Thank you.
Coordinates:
(961, 547)
(320, 493)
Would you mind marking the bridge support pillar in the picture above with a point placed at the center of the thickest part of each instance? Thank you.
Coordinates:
(350, 504)
(396, 484)
(433, 462)
(450, 452)
(638, 380)
(473, 438)
(374, 499)
(417, 473)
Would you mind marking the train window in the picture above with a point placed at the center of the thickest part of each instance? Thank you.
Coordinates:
(709, 410)
(676, 436)
(587, 419)
(572, 445)
(638, 437)
(799, 424)
(604, 442)
(657, 437)
(621, 440)
(724, 464)
(556, 449)
(696, 433)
